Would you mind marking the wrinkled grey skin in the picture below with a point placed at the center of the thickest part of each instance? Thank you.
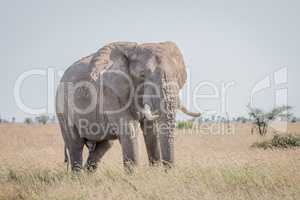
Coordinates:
(122, 75)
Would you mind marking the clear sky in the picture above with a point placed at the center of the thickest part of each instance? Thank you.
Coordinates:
(222, 41)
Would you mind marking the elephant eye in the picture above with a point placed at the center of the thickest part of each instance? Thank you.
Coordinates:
(133, 63)
(133, 57)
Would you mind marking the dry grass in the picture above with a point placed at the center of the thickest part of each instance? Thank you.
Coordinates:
(208, 167)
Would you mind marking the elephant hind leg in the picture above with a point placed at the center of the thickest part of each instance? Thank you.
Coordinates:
(96, 154)
(73, 144)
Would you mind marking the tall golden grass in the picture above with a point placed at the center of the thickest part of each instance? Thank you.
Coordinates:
(208, 166)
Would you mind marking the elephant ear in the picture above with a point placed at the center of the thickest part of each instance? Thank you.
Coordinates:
(109, 66)
(170, 61)
(103, 58)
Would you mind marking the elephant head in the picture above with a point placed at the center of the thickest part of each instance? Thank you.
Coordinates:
(160, 71)
(154, 68)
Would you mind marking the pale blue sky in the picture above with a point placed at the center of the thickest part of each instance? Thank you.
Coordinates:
(222, 41)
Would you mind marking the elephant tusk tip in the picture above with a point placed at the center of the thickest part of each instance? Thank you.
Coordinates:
(152, 118)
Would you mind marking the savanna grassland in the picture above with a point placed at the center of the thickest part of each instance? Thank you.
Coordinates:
(208, 166)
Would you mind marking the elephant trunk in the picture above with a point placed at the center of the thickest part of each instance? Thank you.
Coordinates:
(168, 119)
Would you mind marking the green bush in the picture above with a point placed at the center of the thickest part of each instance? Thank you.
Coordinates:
(286, 141)
(294, 120)
(184, 124)
(42, 119)
(279, 141)
(28, 120)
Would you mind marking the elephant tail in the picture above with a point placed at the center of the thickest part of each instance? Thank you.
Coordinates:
(187, 112)
(67, 158)
(66, 155)
(63, 126)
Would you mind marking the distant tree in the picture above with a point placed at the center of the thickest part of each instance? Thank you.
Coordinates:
(261, 119)
(13, 119)
(241, 119)
(206, 120)
(200, 119)
(5, 121)
(213, 118)
(223, 119)
(294, 119)
(42, 119)
(53, 119)
(28, 120)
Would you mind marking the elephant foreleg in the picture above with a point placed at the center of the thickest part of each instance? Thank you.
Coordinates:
(96, 154)
(167, 148)
(151, 138)
(129, 143)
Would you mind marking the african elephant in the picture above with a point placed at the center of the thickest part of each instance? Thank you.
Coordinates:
(111, 93)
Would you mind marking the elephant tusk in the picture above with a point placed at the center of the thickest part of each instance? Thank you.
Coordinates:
(186, 111)
(148, 114)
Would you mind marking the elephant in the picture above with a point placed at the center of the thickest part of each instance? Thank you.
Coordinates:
(116, 91)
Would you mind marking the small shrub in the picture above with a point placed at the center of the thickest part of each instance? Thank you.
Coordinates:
(28, 120)
(279, 141)
(285, 141)
(42, 119)
(262, 145)
(294, 120)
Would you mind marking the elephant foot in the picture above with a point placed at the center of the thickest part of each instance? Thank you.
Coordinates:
(155, 163)
(76, 168)
(168, 165)
(96, 153)
(91, 166)
(129, 167)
